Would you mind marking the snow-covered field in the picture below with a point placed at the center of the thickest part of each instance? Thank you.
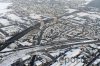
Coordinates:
(3, 7)
(88, 1)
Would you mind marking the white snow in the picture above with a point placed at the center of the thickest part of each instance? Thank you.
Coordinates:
(73, 64)
(34, 16)
(13, 46)
(66, 17)
(93, 45)
(73, 53)
(94, 16)
(88, 1)
(71, 10)
(8, 60)
(68, 58)
(56, 64)
(38, 63)
(12, 29)
(89, 40)
(54, 54)
(3, 7)
(4, 22)
(78, 18)
(14, 17)
(6, 49)
(81, 14)
(97, 61)
(2, 37)
(80, 64)
(26, 57)
(99, 47)
(26, 43)
(6, 38)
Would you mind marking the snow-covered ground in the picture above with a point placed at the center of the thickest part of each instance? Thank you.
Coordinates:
(71, 10)
(68, 61)
(3, 7)
(88, 1)
(35, 16)
(4, 22)
(14, 17)
(11, 30)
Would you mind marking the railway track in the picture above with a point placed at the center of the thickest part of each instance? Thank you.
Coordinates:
(18, 36)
